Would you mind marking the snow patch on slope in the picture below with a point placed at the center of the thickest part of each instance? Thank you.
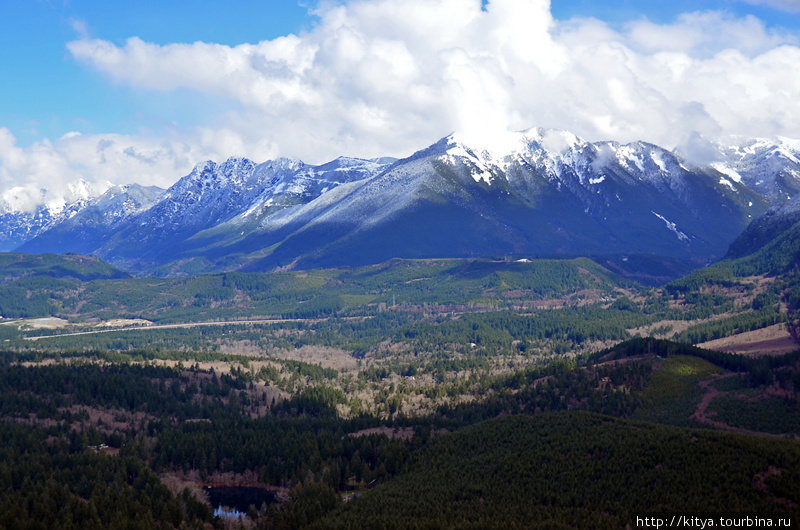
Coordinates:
(658, 160)
(727, 171)
(458, 151)
(671, 226)
(626, 154)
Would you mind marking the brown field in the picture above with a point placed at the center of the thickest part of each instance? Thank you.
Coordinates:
(327, 357)
(772, 340)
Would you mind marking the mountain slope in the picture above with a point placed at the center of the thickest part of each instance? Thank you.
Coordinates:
(770, 245)
(766, 228)
(19, 223)
(214, 195)
(770, 167)
(90, 227)
(15, 266)
(530, 194)
(524, 198)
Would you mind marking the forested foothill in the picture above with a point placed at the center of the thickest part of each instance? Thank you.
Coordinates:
(415, 393)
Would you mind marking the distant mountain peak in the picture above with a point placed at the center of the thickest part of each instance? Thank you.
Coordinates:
(769, 166)
(533, 192)
(23, 200)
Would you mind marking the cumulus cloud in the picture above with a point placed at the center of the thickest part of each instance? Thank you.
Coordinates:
(387, 77)
(705, 34)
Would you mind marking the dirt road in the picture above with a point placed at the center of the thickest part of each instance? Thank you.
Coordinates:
(263, 322)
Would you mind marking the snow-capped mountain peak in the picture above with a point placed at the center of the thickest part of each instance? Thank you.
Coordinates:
(769, 166)
(25, 213)
(209, 176)
(534, 191)
(561, 156)
(547, 148)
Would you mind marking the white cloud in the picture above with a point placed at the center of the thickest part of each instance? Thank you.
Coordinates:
(48, 172)
(705, 34)
(372, 78)
(387, 77)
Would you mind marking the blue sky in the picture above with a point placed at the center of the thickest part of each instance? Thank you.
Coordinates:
(83, 74)
(51, 94)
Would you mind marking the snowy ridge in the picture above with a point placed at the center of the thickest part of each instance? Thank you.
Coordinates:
(538, 190)
(121, 202)
(80, 229)
(769, 166)
(546, 149)
(21, 221)
(563, 156)
(307, 184)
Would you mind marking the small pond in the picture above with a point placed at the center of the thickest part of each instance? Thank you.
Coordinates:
(239, 498)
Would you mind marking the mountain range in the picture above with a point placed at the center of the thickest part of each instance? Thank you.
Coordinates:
(536, 193)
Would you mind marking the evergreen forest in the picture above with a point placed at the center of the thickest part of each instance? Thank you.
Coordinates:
(480, 393)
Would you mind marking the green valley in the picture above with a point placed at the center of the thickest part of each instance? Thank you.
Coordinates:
(415, 393)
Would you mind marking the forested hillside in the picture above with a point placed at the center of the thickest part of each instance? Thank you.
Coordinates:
(577, 471)
(431, 393)
(290, 426)
(52, 291)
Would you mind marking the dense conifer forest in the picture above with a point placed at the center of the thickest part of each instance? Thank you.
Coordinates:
(414, 394)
